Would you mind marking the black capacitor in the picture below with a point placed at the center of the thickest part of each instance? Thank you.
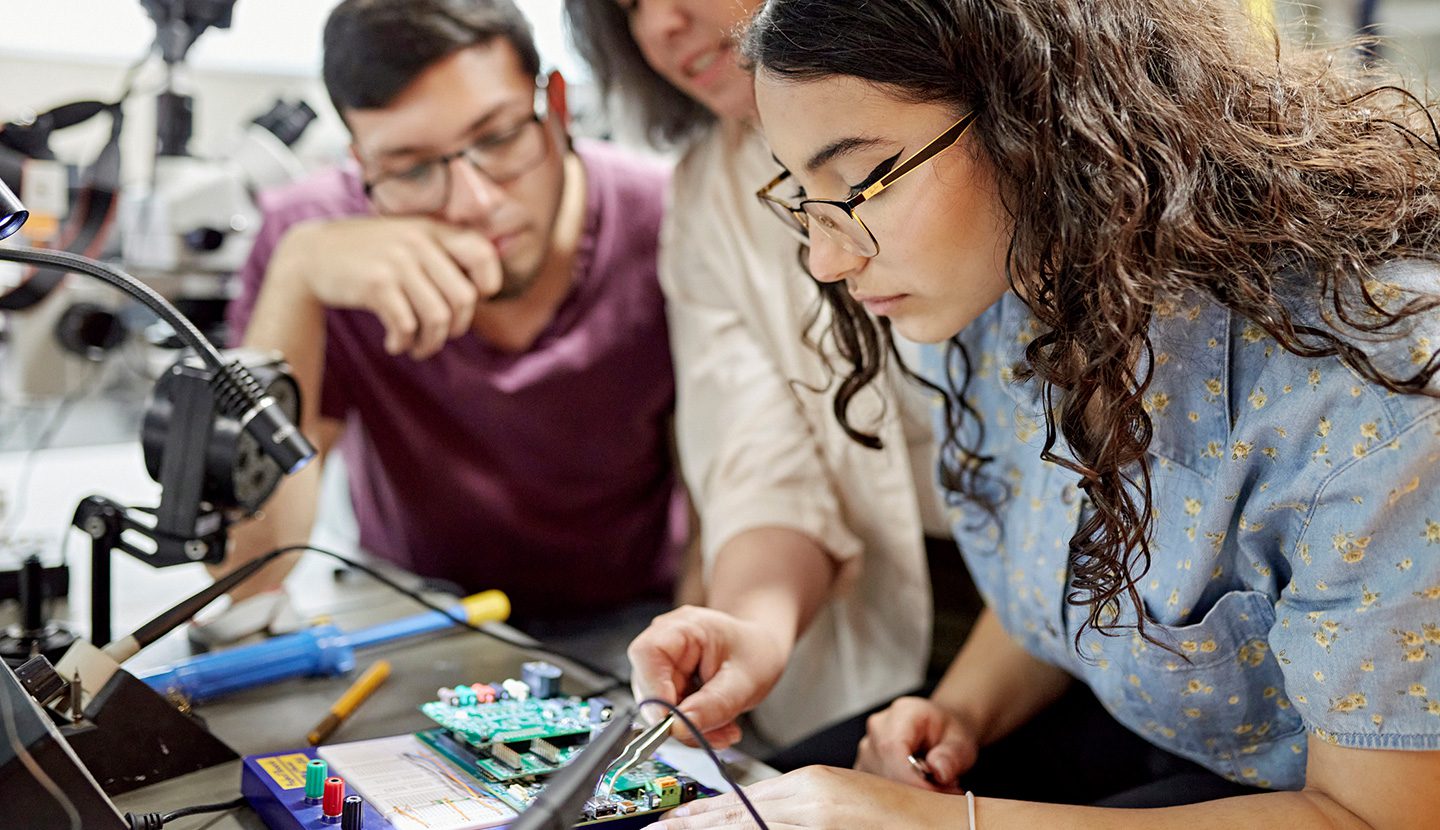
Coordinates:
(542, 678)
(352, 816)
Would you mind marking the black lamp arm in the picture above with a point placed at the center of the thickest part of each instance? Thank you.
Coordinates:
(237, 390)
(128, 285)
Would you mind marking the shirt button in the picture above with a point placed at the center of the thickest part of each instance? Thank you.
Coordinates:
(1069, 494)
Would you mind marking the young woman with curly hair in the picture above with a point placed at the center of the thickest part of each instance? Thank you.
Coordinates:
(1180, 281)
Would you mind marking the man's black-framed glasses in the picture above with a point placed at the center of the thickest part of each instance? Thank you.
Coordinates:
(836, 218)
(502, 156)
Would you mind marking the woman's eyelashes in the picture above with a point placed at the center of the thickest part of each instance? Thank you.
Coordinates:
(876, 175)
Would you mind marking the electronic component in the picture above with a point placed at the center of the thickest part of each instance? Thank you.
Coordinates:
(513, 743)
(279, 788)
(546, 750)
(315, 774)
(542, 678)
(484, 763)
(507, 756)
(352, 814)
(333, 802)
(601, 710)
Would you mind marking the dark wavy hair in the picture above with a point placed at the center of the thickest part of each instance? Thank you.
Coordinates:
(600, 30)
(1144, 148)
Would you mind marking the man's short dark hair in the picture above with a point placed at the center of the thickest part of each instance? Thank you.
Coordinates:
(374, 49)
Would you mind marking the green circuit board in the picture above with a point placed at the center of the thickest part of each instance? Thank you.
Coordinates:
(652, 786)
(510, 742)
(510, 721)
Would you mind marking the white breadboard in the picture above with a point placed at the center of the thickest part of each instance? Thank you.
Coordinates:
(413, 787)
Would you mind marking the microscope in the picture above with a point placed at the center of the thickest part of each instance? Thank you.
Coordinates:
(184, 230)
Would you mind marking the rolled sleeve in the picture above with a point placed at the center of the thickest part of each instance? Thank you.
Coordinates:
(1357, 630)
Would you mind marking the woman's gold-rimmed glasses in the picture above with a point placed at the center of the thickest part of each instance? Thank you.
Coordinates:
(836, 217)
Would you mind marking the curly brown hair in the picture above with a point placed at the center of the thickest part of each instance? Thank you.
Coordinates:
(1145, 148)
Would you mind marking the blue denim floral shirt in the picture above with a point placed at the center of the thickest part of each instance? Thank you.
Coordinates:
(1296, 551)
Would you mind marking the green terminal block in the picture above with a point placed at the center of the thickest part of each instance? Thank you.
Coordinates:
(315, 774)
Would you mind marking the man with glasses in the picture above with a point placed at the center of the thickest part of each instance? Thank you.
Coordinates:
(474, 303)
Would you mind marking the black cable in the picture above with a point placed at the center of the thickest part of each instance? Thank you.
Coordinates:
(204, 808)
(710, 750)
(154, 821)
(617, 682)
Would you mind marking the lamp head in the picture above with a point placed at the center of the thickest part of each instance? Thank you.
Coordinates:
(12, 213)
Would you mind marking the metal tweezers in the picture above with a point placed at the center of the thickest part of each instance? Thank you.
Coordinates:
(640, 748)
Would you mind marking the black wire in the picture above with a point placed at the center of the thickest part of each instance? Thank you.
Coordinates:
(155, 821)
(202, 808)
(710, 750)
(617, 682)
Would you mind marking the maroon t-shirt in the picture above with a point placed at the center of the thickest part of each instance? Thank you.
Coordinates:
(546, 473)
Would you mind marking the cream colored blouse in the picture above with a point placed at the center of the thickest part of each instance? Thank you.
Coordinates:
(759, 446)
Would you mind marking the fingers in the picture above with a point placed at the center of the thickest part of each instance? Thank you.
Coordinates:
(476, 258)
(662, 659)
(948, 760)
(431, 310)
(721, 699)
(724, 737)
(914, 726)
(397, 316)
(677, 649)
(455, 288)
(422, 278)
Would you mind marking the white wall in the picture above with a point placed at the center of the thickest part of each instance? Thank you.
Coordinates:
(55, 51)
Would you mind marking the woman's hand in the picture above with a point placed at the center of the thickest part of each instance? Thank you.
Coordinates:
(824, 797)
(918, 726)
(735, 662)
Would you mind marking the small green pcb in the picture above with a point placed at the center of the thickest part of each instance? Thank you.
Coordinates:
(651, 786)
(511, 741)
(509, 721)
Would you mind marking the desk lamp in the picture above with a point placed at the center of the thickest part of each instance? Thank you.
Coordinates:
(219, 434)
(233, 415)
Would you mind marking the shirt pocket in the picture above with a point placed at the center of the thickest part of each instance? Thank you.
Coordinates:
(1219, 697)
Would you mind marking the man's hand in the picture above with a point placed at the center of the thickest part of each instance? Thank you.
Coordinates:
(919, 727)
(736, 662)
(420, 277)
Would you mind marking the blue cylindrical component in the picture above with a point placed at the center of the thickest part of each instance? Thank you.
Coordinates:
(317, 652)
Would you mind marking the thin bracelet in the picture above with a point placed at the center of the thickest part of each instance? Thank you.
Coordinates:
(970, 806)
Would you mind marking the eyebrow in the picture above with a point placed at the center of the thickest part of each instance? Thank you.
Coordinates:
(414, 150)
(839, 147)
